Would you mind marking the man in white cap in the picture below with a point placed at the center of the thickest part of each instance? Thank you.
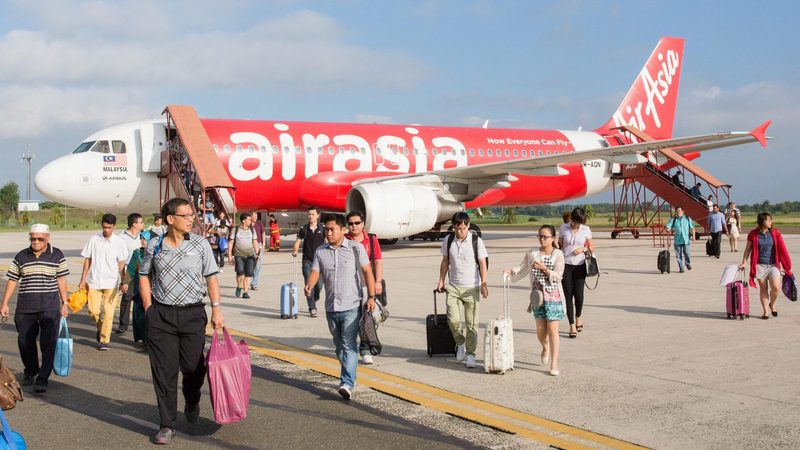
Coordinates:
(41, 272)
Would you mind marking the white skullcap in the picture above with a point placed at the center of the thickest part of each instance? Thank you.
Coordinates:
(40, 228)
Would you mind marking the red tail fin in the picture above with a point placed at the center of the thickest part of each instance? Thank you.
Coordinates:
(651, 101)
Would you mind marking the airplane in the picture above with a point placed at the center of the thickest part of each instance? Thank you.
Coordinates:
(406, 178)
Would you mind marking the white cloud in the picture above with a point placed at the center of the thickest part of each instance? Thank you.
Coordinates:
(27, 111)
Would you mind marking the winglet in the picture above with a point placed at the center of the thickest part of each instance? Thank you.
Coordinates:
(760, 133)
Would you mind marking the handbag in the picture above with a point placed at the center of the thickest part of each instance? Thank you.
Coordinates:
(229, 375)
(789, 287)
(368, 332)
(10, 439)
(592, 270)
(63, 359)
(222, 243)
(78, 300)
(10, 390)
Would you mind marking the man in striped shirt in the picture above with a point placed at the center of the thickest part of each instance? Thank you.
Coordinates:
(41, 272)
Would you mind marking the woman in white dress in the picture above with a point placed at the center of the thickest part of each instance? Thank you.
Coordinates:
(733, 233)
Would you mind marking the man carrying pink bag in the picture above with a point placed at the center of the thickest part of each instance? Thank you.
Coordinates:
(177, 271)
(229, 375)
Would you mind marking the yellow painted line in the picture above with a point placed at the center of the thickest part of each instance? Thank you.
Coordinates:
(501, 418)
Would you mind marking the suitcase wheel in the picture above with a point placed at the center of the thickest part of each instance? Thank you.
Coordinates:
(747, 316)
(502, 372)
(741, 316)
(730, 316)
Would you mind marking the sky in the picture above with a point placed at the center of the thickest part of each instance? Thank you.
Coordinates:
(70, 68)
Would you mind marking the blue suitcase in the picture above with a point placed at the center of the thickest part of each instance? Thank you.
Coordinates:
(289, 296)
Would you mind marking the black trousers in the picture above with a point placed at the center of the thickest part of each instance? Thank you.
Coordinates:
(30, 325)
(175, 338)
(125, 307)
(219, 257)
(716, 243)
(572, 282)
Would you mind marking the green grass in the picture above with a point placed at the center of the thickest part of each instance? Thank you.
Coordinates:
(77, 219)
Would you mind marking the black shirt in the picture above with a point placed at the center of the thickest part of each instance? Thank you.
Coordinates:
(38, 279)
(311, 240)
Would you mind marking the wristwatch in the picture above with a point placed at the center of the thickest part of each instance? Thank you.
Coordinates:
(371, 297)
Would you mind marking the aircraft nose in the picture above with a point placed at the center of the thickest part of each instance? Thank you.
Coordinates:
(49, 181)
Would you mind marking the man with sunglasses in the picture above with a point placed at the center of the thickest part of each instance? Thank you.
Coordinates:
(103, 272)
(355, 225)
(468, 273)
(176, 272)
(41, 272)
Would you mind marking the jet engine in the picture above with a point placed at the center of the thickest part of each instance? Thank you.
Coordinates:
(396, 210)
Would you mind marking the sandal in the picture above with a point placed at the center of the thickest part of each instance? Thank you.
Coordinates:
(765, 317)
(579, 328)
(573, 335)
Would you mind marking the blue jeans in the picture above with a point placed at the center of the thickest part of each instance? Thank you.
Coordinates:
(681, 252)
(257, 271)
(311, 300)
(343, 326)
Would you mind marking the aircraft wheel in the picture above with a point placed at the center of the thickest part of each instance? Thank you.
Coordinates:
(614, 235)
(635, 234)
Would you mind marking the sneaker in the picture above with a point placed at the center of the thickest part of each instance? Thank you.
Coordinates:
(27, 380)
(238, 292)
(102, 347)
(312, 313)
(121, 330)
(688, 266)
(245, 295)
(40, 387)
(164, 436)
(140, 343)
(344, 391)
(192, 413)
(461, 352)
(253, 288)
(367, 359)
(471, 362)
(221, 271)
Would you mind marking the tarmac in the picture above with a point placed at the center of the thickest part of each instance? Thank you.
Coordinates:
(657, 365)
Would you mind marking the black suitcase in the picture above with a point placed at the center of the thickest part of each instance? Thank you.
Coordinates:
(663, 261)
(440, 339)
(709, 248)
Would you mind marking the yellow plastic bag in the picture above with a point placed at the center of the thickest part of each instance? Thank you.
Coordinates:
(78, 300)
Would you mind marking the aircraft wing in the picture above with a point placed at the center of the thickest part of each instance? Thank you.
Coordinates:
(478, 178)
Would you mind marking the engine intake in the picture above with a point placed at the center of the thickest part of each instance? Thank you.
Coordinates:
(398, 210)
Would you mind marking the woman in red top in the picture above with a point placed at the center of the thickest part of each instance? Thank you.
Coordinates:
(769, 256)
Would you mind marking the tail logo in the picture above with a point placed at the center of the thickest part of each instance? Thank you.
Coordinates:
(656, 88)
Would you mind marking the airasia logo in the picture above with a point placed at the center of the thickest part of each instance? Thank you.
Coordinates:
(656, 91)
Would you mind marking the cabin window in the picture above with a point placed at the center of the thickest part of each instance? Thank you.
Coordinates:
(226, 148)
(308, 150)
(516, 153)
(363, 150)
(540, 152)
(275, 149)
(118, 147)
(547, 153)
(286, 150)
(320, 150)
(524, 153)
(472, 152)
(251, 148)
(263, 149)
(480, 152)
(488, 152)
(330, 150)
(84, 147)
(507, 153)
(405, 151)
(463, 152)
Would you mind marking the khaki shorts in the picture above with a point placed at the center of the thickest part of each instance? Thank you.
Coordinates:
(764, 271)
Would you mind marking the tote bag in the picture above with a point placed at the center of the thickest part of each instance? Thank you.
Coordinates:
(63, 360)
(229, 375)
(10, 439)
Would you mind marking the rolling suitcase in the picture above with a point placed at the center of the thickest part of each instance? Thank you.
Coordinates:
(289, 296)
(709, 248)
(663, 261)
(737, 299)
(440, 338)
(498, 343)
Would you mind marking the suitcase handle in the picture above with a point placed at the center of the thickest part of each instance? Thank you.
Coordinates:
(506, 302)
(435, 310)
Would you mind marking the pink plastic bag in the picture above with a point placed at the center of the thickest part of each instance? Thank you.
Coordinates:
(229, 374)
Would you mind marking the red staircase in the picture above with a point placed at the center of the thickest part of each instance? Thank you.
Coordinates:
(648, 196)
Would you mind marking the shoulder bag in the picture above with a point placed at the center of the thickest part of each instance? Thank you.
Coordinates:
(10, 390)
(592, 269)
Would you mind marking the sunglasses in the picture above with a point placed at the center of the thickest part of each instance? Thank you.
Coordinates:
(354, 223)
(38, 239)
(544, 236)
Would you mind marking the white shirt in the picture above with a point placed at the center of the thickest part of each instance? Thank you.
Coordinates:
(463, 271)
(572, 240)
(131, 243)
(106, 255)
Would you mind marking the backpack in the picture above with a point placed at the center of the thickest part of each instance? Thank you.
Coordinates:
(475, 238)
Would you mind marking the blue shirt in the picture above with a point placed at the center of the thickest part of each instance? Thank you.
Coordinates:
(680, 226)
(716, 222)
(765, 244)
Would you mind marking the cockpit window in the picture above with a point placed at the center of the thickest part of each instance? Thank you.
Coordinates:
(83, 147)
(118, 146)
(100, 147)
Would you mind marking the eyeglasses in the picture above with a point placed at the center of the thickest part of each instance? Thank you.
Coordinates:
(544, 236)
(33, 239)
(188, 216)
(354, 223)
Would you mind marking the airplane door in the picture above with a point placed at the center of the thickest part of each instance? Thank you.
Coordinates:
(153, 142)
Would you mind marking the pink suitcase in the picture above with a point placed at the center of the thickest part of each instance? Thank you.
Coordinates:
(737, 299)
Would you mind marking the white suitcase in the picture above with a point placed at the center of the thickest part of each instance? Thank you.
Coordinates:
(498, 343)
